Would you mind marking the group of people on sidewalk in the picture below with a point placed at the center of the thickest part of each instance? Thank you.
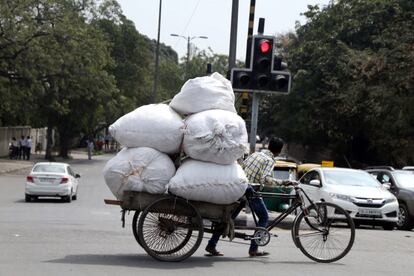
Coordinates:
(20, 149)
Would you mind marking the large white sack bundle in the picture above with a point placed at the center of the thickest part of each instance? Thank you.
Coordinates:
(204, 93)
(209, 182)
(215, 136)
(138, 169)
(156, 126)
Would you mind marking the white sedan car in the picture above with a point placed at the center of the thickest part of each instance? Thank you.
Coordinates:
(52, 179)
(354, 190)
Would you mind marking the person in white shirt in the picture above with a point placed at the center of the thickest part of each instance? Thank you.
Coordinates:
(21, 148)
(14, 148)
(90, 147)
(28, 147)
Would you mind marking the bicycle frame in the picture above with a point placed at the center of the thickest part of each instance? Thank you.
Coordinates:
(298, 202)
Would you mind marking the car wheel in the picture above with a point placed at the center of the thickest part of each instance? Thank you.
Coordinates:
(404, 222)
(75, 197)
(27, 198)
(388, 225)
(68, 198)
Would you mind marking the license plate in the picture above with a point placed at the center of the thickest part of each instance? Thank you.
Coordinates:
(370, 212)
(47, 180)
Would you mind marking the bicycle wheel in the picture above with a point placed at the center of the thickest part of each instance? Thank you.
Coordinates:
(170, 229)
(324, 232)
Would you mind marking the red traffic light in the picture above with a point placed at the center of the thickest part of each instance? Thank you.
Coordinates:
(265, 46)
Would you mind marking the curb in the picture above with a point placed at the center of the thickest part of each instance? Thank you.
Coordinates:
(8, 167)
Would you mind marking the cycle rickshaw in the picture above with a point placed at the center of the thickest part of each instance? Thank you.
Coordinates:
(171, 229)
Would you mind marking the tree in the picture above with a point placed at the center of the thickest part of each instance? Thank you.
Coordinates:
(197, 66)
(57, 60)
(352, 81)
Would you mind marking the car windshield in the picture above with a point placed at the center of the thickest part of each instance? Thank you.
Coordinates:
(405, 179)
(350, 178)
(50, 168)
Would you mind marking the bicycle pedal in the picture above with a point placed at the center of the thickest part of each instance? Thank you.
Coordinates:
(274, 235)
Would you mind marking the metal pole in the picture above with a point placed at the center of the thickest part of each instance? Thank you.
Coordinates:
(188, 57)
(157, 57)
(255, 103)
(233, 35)
(253, 123)
(250, 32)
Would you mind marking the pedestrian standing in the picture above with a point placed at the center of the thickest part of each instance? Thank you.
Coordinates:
(90, 147)
(28, 147)
(107, 141)
(13, 148)
(24, 148)
(20, 148)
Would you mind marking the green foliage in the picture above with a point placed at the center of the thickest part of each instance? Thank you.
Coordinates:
(353, 82)
(76, 66)
(55, 62)
(197, 66)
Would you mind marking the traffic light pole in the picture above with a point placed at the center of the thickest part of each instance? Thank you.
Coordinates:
(233, 34)
(253, 123)
(265, 74)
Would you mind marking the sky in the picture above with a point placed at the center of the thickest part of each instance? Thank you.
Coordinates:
(212, 18)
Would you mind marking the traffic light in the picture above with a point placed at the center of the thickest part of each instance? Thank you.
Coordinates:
(266, 73)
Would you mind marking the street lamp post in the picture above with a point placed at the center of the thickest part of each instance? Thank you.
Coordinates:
(157, 57)
(188, 38)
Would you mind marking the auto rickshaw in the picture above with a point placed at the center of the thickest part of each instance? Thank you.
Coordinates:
(286, 170)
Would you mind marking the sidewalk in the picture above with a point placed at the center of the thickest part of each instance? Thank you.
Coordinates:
(7, 165)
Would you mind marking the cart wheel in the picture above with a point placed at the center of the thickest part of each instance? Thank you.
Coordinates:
(170, 229)
(135, 226)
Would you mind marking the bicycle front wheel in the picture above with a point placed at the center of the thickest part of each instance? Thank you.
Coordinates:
(324, 232)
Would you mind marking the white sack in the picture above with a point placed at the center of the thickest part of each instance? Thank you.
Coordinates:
(209, 182)
(138, 169)
(156, 126)
(217, 136)
(204, 93)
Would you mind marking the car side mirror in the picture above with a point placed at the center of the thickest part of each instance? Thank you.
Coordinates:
(77, 175)
(387, 185)
(315, 182)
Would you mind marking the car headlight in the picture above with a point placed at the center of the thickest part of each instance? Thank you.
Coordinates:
(342, 197)
(389, 200)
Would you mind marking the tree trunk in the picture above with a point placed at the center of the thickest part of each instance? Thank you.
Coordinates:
(64, 144)
(49, 138)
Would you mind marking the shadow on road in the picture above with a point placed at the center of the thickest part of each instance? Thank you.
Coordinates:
(142, 260)
(42, 200)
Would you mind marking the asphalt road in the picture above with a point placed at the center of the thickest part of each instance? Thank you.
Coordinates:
(85, 237)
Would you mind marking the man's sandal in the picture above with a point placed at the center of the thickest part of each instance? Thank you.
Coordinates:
(259, 254)
(213, 252)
